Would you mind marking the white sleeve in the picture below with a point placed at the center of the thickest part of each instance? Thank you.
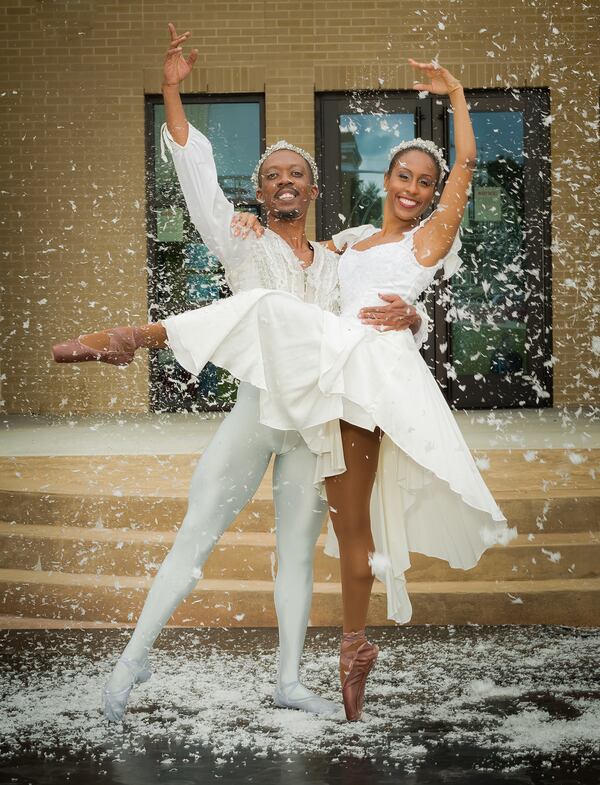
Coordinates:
(352, 235)
(422, 333)
(209, 208)
(452, 260)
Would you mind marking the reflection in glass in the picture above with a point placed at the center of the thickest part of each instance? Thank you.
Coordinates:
(488, 297)
(365, 144)
(185, 274)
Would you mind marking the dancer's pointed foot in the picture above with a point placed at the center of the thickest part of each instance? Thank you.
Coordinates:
(297, 696)
(125, 676)
(357, 658)
(115, 346)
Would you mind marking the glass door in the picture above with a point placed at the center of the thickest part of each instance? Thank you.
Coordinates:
(356, 135)
(499, 333)
(491, 345)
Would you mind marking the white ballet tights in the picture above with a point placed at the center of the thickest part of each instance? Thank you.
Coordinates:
(224, 480)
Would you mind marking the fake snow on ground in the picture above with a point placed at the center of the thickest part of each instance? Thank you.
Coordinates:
(513, 693)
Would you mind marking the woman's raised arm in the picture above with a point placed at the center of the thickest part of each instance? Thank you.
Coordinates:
(434, 240)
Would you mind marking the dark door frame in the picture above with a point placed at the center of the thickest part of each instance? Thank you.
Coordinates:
(431, 122)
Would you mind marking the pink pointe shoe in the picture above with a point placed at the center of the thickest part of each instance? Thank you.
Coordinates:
(121, 349)
(355, 666)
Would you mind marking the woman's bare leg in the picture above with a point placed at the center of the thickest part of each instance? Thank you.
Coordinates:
(349, 497)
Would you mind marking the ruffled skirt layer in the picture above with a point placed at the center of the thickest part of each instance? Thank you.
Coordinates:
(314, 368)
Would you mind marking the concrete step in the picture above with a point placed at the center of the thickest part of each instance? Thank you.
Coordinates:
(538, 490)
(231, 603)
(150, 490)
(544, 513)
(251, 555)
(509, 473)
(154, 513)
(12, 622)
(121, 513)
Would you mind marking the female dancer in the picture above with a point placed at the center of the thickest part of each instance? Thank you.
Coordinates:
(398, 474)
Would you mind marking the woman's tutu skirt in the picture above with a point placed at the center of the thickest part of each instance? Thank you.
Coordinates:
(314, 368)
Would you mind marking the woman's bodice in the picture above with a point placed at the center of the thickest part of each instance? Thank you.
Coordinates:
(389, 268)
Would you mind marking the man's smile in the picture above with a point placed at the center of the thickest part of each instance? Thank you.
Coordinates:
(286, 194)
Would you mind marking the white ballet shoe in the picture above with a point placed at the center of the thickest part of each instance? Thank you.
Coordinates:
(114, 702)
(296, 696)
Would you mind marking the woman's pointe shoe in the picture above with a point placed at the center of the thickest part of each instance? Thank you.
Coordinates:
(121, 349)
(355, 666)
(114, 702)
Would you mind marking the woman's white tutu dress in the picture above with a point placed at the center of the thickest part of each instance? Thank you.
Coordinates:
(314, 368)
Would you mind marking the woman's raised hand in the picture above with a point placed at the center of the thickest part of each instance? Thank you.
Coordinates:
(441, 80)
(244, 223)
(176, 66)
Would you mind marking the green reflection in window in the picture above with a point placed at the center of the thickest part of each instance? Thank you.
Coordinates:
(487, 300)
(234, 133)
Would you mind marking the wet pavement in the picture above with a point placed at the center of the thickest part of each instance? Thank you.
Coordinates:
(493, 705)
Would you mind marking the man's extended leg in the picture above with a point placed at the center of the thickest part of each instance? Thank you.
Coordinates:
(299, 515)
(225, 479)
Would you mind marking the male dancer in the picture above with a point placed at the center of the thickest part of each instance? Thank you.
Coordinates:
(235, 461)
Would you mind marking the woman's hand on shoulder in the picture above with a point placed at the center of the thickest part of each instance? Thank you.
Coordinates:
(243, 224)
(331, 246)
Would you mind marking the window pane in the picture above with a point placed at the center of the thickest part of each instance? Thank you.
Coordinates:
(489, 331)
(234, 132)
(365, 144)
(184, 273)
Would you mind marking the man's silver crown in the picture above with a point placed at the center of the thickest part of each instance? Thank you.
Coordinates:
(422, 144)
(283, 145)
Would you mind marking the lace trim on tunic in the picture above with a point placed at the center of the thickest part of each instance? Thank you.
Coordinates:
(272, 266)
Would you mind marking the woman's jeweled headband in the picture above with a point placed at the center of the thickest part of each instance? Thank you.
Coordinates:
(422, 144)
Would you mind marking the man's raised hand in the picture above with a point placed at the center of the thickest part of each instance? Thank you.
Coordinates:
(396, 315)
(176, 66)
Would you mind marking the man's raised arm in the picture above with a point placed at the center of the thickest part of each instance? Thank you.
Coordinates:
(210, 210)
(176, 68)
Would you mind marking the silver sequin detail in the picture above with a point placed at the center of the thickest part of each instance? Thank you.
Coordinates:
(422, 144)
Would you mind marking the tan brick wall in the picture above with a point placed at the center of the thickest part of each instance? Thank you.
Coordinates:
(73, 211)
